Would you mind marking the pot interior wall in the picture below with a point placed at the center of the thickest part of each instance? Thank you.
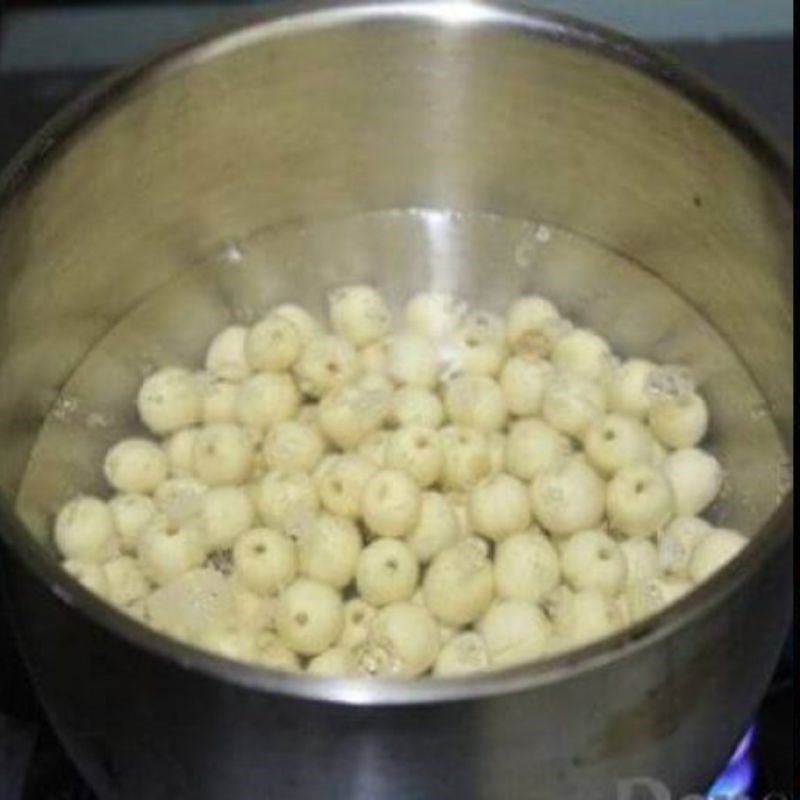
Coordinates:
(278, 163)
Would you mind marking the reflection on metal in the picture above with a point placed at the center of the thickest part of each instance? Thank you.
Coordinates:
(96, 38)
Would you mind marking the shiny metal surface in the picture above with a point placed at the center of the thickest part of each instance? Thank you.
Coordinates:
(410, 144)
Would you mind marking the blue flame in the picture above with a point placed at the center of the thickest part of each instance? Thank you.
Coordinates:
(738, 776)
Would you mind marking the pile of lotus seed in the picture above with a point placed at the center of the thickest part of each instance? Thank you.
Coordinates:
(457, 492)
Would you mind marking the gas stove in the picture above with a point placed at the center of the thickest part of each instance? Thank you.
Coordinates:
(32, 764)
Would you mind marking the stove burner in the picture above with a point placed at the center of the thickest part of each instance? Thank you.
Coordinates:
(738, 776)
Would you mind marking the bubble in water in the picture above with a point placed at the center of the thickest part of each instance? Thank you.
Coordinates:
(337, 294)
(287, 448)
(375, 658)
(221, 561)
(181, 502)
(460, 309)
(670, 382)
(471, 651)
(554, 494)
(671, 553)
(233, 252)
(759, 410)
(484, 326)
(368, 403)
(557, 602)
(559, 384)
(300, 523)
(475, 551)
(64, 407)
(543, 234)
(206, 382)
(555, 329)
(98, 420)
(725, 486)
(785, 479)
(603, 294)
(525, 252)
(451, 359)
(655, 593)
(462, 395)
(524, 255)
(147, 367)
(243, 314)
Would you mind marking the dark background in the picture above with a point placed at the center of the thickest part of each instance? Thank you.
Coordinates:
(757, 71)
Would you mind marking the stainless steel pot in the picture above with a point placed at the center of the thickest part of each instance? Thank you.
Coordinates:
(474, 146)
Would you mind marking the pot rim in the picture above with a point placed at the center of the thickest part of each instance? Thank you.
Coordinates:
(291, 18)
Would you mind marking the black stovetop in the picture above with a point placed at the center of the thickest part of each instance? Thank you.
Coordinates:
(33, 765)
